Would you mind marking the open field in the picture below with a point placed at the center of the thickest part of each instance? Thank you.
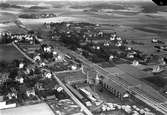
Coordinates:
(38, 109)
(9, 53)
(131, 22)
(138, 21)
(135, 21)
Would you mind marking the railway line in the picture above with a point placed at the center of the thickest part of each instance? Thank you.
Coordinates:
(137, 92)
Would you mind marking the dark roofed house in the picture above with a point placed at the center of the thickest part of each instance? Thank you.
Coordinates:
(3, 77)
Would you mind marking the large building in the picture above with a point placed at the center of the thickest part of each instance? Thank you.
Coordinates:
(72, 76)
(131, 77)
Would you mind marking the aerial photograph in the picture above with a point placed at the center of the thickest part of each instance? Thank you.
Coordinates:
(83, 57)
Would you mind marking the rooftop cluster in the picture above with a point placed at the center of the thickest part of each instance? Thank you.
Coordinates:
(19, 38)
(49, 57)
(100, 106)
(23, 82)
(26, 83)
(37, 16)
(93, 43)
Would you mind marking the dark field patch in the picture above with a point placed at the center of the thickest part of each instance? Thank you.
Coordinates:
(100, 6)
(158, 81)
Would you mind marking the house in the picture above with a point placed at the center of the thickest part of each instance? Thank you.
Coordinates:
(20, 80)
(59, 58)
(48, 75)
(54, 53)
(118, 44)
(30, 92)
(111, 57)
(37, 58)
(21, 65)
(39, 86)
(74, 67)
(3, 77)
(131, 56)
(135, 63)
(12, 95)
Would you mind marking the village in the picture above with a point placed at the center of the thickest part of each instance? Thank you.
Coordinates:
(26, 82)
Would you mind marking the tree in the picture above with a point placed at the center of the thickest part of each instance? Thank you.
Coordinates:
(8, 85)
(3, 65)
(31, 32)
(13, 73)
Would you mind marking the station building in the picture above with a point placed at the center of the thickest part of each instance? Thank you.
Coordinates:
(130, 76)
(114, 88)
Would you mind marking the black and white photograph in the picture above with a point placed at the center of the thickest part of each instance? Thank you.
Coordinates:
(83, 57)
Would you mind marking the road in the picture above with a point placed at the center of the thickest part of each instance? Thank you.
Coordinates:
(22, 52)
(83, 107)
(138, 93)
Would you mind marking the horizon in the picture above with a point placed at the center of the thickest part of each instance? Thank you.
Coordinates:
(76, 0)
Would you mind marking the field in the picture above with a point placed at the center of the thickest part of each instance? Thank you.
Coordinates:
(9, 53)
(38, 109)
(138, 21)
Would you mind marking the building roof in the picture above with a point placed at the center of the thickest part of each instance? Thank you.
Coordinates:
(72, 75)
(128, 76)
(113, 85)
(37, 109)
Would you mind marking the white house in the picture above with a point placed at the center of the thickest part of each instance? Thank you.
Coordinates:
(48, 75)
(73, 67)
(21, 65)
(30, 92)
